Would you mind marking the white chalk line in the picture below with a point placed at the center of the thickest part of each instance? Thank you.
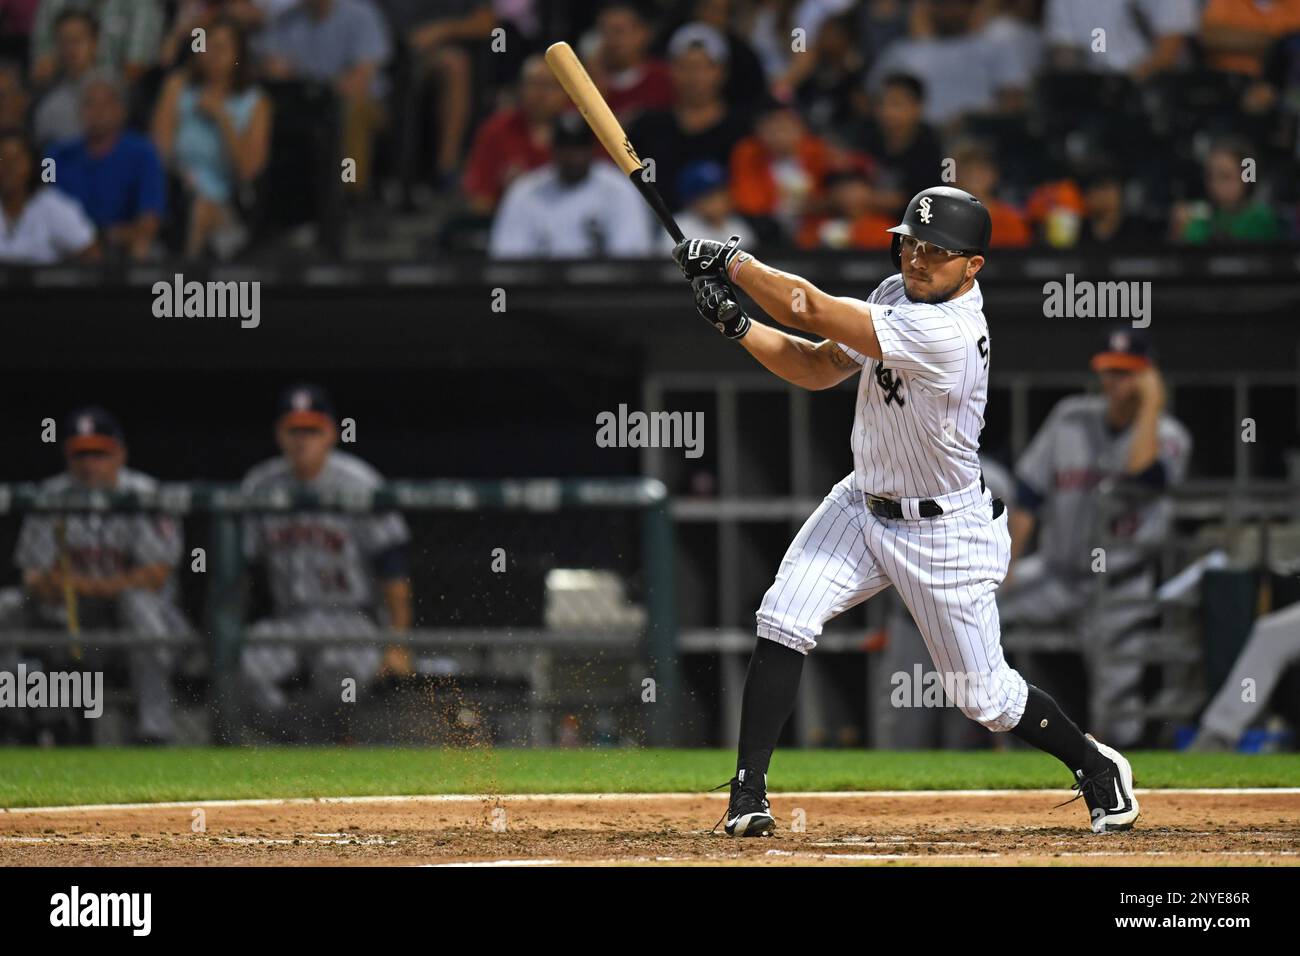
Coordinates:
(585, 797)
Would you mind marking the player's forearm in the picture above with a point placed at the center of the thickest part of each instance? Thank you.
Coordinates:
(397, 597)
(796, 302)
(807, 364)
(1020, 523)
(1145, 448)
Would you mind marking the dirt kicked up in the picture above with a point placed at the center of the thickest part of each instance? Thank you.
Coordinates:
(1200, 828)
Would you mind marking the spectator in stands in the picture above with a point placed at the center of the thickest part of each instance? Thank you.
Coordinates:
(121, 566)
(58, 112)
(514, 140)
(1228, 214)
(965, 70)
(114, 173)
(1236, 34)
(1014, 26)
(342, 43)
(777, 172)
(572, 207)
(38, 224)
(771, 33)
(833, 97)
(212, 128)
(707, 210)
(1106, 220)
(1278, 87)
(1142, 37)
(880, 24)
(130, 36)
(851, 220)
(631, 80)
(700, 125)
(16, 18)
(14, 99)
(904, 148)
(746, 83)
(977, 173)
(191, 15)
(1056, 210)
(441, 37)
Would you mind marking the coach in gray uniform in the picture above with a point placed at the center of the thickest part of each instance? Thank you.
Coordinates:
(1123, 441)
(327, 572)
(121, 564)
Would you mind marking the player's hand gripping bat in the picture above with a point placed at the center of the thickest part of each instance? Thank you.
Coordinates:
(573, 76)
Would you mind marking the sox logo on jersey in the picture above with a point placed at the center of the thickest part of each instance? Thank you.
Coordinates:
(915, 440)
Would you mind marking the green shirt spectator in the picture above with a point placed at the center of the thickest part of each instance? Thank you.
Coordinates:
(1253, 223)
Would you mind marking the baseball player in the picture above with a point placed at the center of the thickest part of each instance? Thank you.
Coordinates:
(1122, 435)
(121, 566)
(914, 513)
(1273, 646)
(327, 572)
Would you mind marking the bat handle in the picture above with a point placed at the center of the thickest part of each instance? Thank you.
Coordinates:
(657, 203)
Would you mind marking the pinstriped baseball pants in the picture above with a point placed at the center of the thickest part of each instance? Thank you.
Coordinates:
(946, 570)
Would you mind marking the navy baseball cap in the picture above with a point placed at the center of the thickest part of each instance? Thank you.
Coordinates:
(92, 428)
(700, 178)
(1126, 349)
(305, 406)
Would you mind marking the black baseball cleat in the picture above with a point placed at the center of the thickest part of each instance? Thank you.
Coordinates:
(1108, 792)
(748, 812)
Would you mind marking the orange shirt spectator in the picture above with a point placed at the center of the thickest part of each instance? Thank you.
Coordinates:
(1057, 210)
(1010, 229)
(849, 222)
(1236, 34)
(779, 170)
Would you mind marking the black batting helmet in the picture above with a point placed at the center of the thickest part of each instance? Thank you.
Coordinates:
(947, 217)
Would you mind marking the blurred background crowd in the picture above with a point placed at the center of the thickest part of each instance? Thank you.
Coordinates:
(407, 128)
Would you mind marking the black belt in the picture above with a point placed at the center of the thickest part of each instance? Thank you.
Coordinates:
(887, 508)
(929, 508)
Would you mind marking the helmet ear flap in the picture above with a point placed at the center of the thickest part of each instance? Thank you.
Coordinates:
(896, 251)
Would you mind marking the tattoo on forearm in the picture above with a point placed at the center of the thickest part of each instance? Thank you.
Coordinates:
(840, 358)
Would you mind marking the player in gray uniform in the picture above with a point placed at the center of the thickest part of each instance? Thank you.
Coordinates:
(329, 574)
(915, 513)
(1123, 435)
(122, 568)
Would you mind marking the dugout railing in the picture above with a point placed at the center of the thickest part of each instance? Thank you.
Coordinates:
(222, 630)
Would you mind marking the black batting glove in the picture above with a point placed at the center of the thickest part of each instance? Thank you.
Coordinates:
(717, 305)
(705, 257)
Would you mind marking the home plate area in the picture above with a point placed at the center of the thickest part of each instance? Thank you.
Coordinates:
(989, 828)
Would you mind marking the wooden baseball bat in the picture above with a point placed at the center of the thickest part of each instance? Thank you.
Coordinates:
(573, 76)
(69, 592)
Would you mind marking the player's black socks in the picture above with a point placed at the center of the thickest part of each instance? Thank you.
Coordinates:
(770, 689)
(1046, 727)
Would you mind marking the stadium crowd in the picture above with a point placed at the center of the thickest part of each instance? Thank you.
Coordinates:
(135, 129)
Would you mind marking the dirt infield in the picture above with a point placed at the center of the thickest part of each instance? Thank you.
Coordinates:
(1009, 828)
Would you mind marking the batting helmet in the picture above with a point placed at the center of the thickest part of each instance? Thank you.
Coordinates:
(946, 217)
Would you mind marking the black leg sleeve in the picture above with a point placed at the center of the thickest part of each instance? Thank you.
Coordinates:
(770, 689)
(1046, 727)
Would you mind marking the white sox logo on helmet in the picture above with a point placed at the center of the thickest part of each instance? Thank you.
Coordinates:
(924, 208)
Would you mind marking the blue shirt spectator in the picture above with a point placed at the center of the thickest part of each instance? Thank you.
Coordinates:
(324, 40)
(115, 174)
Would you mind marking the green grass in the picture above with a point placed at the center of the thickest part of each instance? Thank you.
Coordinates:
(34, 777)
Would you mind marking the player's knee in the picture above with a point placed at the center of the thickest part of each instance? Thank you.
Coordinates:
(993, 704)
(794, 638)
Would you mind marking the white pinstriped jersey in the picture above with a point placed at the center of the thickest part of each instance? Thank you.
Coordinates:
(920, 407)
